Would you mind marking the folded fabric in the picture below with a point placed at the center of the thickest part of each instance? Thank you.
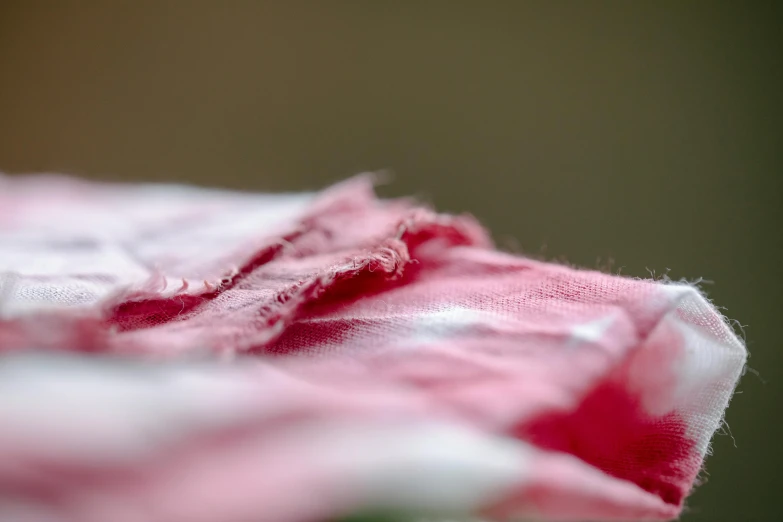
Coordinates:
(174, 353)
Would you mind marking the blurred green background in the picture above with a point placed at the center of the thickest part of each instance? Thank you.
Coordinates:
(647, 133)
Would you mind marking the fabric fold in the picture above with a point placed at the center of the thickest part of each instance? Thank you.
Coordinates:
(174, 353)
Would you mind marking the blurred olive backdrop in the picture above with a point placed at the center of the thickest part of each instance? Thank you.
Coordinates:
(644, 132)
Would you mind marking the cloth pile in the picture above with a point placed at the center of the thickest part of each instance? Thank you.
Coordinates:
(172, 353)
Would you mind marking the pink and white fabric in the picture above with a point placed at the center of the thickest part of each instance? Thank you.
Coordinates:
(173, 353)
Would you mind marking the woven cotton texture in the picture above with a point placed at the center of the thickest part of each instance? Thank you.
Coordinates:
(173, 353)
